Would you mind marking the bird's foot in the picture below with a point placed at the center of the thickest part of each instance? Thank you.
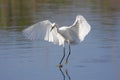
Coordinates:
(66, 62)
(60, 66)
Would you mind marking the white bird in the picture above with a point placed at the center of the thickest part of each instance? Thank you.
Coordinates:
(45, 30)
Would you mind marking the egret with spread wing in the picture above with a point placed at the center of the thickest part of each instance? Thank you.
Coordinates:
(45, 30)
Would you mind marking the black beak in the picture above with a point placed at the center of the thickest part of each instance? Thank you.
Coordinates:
(52, 28)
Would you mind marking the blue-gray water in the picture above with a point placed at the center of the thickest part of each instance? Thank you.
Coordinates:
(97, 58)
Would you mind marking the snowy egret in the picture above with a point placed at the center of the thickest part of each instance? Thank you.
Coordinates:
(45, 30)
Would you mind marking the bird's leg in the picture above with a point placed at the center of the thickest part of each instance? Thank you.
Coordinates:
(68, 54)
(60, 65)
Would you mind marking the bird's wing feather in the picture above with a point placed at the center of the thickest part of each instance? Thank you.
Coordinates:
(80, 27)
(37, 31)
(42, 31)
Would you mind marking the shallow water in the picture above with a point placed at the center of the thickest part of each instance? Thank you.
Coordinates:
(97, 58)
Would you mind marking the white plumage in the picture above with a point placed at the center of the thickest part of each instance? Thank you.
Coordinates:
(73, 34)
(45, 30)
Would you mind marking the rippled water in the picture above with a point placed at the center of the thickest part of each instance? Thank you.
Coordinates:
(97, 58)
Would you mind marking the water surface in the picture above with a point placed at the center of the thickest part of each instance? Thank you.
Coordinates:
(97, 58)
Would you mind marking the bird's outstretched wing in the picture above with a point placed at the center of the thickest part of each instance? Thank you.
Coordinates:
(42, 31)
(37, 31)
(80, 27)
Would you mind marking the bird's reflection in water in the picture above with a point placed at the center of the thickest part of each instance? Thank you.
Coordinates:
(65, 74)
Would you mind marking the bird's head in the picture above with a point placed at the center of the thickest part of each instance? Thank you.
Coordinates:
(53, 26)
